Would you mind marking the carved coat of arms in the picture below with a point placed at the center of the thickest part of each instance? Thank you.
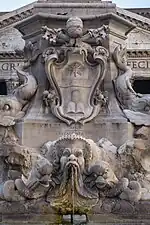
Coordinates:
(75, 71)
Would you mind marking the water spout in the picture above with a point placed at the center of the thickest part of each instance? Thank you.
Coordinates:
(72, 195)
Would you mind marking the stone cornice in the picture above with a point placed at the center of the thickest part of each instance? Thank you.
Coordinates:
(131, 53)
(141, 11)
(106, 16)
(88, 17)
(25, 12)
(11, 55)
(75, 5)
(138, 20)
(16, 16)
(134, 53)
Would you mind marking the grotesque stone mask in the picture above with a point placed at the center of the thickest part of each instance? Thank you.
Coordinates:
(72, 158)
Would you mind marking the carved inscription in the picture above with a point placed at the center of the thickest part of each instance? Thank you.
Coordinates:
(8, 69)
(139, 64)
(9, 66)
(57, 129)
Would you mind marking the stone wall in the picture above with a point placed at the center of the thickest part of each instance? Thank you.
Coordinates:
(10, 40)
(138, 39)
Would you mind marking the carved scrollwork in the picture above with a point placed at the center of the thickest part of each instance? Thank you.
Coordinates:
(98, 35)
(75, 71)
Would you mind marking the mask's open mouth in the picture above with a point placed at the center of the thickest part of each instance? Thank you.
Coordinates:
(71, 164)
(72, 168)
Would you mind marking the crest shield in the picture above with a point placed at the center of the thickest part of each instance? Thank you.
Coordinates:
(75, 70)
(74, 80)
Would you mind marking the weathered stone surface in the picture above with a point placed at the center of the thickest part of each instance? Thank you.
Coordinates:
(137, 118)
(143, 133)
(80, 147)
(126, 147)
(107, 145)
(140, 144)
(8, 43)
(124, 207)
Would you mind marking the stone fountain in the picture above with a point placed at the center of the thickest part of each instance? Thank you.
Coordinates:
(74, 133)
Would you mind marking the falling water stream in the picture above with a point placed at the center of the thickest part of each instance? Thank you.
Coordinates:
(72, 194)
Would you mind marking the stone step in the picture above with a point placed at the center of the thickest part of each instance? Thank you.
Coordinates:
(55, 219)
(135, 222)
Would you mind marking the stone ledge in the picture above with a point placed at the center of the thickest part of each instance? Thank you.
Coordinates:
(110, 207)
(134, 53)
(16, 215)
(11, 55)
